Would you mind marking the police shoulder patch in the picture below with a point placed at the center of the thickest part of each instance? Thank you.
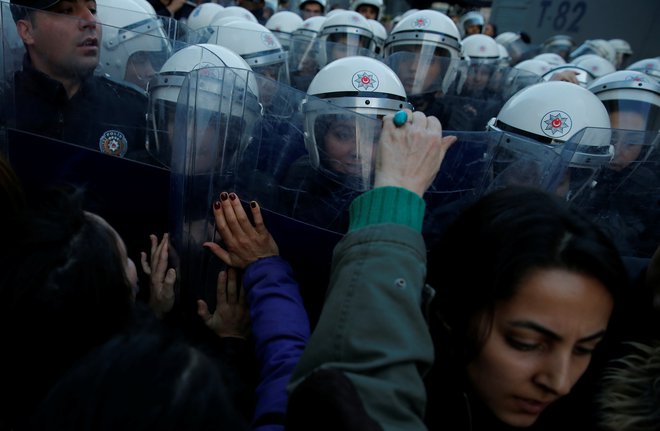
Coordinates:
(114, 143)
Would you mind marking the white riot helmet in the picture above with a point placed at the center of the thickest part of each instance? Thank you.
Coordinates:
(234, 12)
(551, 113)
(623, 52)
(380, 36)
(361, 84)
(257, 45)
(583, 76)
(514, 44)
(559, 44)
(538, 67)
(551, 58)
(376, 4)
(650, 66)
(282, 25)
(480, 48)
(504, 56)
(630, 91)
(344, 34)
(166, 86)
(203, 15)
(468, 20)
(309, 27)
(428, 36)
(397, 19)
(134, 45)
(599, 47)
(595, 64)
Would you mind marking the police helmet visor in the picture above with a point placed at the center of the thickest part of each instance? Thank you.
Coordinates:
(421, 68)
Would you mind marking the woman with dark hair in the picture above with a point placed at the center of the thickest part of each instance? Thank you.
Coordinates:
(519, 333)
(527, 290)
(66, 286)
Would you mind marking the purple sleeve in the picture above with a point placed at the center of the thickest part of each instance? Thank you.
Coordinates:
(280, 328)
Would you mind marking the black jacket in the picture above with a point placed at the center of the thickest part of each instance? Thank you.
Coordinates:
(103, 115)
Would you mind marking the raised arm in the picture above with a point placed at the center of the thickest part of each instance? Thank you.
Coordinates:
(372, 327)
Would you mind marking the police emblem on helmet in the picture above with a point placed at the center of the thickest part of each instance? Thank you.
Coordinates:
(556, 124)
(114, 143)
(420, 23)
(267, 39)
(365, 81)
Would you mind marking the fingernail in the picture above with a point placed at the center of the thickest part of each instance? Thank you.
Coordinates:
(217, 204)
(223, 196)
(232, 196)
(253, 204)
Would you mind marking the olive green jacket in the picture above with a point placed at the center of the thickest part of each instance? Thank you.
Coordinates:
(372, 327)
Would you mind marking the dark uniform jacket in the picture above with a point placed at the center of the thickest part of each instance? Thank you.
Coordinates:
(104, 115)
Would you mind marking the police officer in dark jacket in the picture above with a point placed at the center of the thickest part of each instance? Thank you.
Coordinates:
(57, 94)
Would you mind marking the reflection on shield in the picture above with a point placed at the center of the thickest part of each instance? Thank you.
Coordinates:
(480, 162)
(623, 197)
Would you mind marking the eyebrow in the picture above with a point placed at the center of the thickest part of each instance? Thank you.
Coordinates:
(550, 334)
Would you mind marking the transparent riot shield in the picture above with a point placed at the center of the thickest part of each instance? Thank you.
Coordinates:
(211, 130)
(516, 79)
(480, 91)
(85, 109)
(424, 74)
(134, 44)
(305, 181)
(307, 57)
(624, 196)
(11, 45)
(480, 162)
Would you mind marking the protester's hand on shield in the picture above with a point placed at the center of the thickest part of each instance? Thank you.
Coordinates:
(410, 153)
(231, 317)
(566, 75)
(161, 279)
(245, 243)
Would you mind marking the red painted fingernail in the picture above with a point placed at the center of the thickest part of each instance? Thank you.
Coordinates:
(253, 204)
(232, 196)
(217, 205)
(224, 196)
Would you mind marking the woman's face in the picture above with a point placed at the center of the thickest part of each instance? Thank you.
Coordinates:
(626, 152)
(540, 343)
(341, 152)
(129, 265)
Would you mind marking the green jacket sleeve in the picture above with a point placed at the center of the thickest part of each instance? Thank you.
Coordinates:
(372, 327)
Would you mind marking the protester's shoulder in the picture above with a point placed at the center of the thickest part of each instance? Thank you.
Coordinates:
(120, 89)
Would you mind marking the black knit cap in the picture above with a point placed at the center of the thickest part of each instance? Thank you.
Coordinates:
(36, 4)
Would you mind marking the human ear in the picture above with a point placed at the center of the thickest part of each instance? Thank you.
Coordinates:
(24, 29)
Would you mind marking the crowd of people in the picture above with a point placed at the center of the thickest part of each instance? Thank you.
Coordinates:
(375, 222)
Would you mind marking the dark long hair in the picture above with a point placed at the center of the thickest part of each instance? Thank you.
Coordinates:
(63, 291)
(498, 241)
(482, 260)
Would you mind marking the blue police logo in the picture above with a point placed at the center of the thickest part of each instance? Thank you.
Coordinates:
(556, 124)
(365, 81)
(114, 143)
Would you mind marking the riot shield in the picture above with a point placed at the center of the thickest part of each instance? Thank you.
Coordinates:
(307, 57)
(303, 181)
(85, 109)
(624, 196)
(480, 162)
(11, 45)
(134, 45)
